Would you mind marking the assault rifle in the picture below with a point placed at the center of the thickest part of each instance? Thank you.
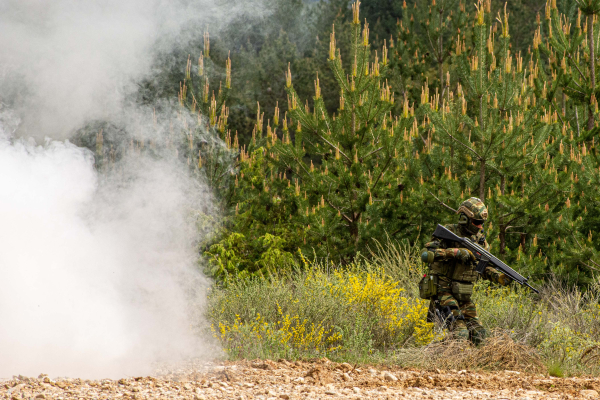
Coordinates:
(482, 255)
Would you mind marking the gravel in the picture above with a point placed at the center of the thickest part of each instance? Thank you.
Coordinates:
(321, 379)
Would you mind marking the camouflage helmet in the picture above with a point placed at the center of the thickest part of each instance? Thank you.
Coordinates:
(473, 208)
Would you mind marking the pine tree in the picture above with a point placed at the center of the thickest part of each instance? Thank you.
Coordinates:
(490, 138)
(427, 36)
(565, 56)
(500, 127)
(260, 237)
(261, 80)
(566, 48)
(345, 167)
(205, 142)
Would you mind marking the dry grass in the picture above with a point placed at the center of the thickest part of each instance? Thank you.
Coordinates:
(502, 352)
(499, 352)
(399, 260)
(590, 357)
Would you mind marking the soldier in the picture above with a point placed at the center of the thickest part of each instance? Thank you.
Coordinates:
(452, 271)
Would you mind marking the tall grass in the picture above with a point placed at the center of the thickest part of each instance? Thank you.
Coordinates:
(370, 312)
(357, 313)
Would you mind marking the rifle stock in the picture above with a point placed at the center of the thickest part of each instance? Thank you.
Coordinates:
(483, 257)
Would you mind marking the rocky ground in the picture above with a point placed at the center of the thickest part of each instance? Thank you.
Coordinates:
(299, 380)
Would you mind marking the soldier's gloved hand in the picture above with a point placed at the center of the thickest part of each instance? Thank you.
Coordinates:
(465, 255)
(427, 256)
(503, 280)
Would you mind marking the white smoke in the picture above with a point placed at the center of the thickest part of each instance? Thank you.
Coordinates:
(66, 61)
(99, 279)
(98, 271)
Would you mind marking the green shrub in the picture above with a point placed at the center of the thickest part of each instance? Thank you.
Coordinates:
(357, 313)
(370, 312)
(555, 369)
(562, 324)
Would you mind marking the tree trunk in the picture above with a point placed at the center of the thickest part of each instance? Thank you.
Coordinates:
(354, 231)
(502, 234)
(482, 180)
(482, 161)
(353, 123)
(502, 237)
(441, 57)
(577, 119)
(590, 27)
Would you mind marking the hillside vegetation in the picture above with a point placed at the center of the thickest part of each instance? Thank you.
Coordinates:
(395, 136)
(337, 130)
(371, 313)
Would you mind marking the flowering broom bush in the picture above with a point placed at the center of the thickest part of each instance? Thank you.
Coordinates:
(342, 313)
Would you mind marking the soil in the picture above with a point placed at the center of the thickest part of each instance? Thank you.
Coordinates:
(322, 379)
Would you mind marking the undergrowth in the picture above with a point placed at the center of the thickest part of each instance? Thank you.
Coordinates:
(369, 312)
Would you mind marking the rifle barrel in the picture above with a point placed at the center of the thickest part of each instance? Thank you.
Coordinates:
(441, 232)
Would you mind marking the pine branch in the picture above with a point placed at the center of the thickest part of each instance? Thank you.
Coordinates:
(338, 209)
(582, 249)
(373, 152)
(461, 143)
(441, 202)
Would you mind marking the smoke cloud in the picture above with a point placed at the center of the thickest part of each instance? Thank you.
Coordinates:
(65, 62)
(98, 271)
(99, 278)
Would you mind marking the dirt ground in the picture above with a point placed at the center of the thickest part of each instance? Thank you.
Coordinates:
(303, 380)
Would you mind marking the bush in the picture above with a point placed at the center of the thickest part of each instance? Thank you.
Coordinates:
(370, 312)
(234, 255)
(356, 313)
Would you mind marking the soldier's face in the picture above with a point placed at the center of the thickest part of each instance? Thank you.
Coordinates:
(478, 223)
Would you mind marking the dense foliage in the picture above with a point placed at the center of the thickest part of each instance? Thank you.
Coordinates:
(358, 160)
(325, 147)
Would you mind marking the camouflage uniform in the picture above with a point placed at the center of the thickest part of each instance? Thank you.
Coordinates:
(455, 270)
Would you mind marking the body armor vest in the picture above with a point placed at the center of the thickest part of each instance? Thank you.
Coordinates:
(456, 270)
